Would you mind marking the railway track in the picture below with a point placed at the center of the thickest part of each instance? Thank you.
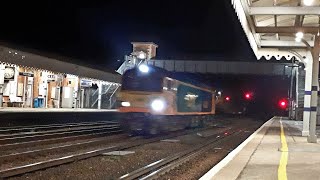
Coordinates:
(18, 170)
(162, 166)
(19, 155)
(57, 140)
(32, 129)
(69, 132)
(54, 134)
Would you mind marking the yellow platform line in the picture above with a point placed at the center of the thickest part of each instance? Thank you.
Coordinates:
(282, 169)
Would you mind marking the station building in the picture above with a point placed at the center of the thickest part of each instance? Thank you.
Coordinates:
(33, 81)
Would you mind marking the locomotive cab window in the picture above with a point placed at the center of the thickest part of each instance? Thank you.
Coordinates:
(168, 84)
(172, 85)
(165, 84)
(134, 81)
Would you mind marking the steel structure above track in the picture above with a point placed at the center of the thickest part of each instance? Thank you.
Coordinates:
(223, 67)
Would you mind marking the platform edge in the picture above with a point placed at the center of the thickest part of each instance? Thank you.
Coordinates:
(213, 171)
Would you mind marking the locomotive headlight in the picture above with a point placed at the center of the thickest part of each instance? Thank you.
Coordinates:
(157, 105)
(125, 104)
(144, 68)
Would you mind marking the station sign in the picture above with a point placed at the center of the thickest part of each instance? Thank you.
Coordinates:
(26, 74)
(51, 77)
(85, 83)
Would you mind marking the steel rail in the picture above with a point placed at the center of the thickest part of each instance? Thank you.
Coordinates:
(13, 156)
(55, 140)
(49, 126)
(55, 131)
(54, 135)
(156, 169)
(68, 159)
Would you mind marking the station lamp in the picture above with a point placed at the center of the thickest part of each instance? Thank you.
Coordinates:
(142, 55)
(297, 39)
(299, 36)
(308, 2)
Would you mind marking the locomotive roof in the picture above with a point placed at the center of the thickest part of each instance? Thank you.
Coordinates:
(187, 78)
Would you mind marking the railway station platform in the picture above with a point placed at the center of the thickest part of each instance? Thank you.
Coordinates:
(275, 151)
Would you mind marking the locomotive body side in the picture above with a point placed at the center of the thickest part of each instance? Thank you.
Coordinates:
(157, 101)
(178, 99)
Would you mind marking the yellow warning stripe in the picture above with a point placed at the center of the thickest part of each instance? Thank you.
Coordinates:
(282, 169)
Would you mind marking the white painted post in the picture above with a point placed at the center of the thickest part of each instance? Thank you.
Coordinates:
(24, 97)
(312, 138)
(297, 94)
(2, 68)
(307, 94)
(59, 92)
(99, 95)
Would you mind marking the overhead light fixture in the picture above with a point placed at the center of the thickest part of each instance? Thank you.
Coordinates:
(298, 39)
(142, 55)
(308, 2)
(299, 35)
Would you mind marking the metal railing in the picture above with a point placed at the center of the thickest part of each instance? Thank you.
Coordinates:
(129, 63)
(111, 89)
(112, 98)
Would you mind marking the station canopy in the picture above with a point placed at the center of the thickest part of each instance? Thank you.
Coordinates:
(35, 61)
(279, 28)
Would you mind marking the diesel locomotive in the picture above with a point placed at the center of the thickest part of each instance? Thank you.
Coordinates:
(154, 100)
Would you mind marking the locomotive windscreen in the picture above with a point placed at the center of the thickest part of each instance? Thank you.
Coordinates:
(151, 81)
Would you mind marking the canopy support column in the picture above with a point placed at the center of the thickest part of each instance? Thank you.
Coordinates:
(312, 138)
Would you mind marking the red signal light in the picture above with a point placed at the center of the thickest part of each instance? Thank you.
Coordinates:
(248, 96)
(227, 98)
(283, 103)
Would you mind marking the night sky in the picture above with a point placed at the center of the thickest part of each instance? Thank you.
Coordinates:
(98, 33)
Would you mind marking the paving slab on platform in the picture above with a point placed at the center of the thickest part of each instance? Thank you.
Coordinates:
(260, 155)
